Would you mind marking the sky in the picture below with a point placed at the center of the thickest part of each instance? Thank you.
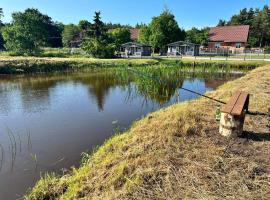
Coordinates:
(188, 13)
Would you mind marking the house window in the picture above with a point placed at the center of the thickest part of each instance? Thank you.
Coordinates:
(217, 45)
(238, 45)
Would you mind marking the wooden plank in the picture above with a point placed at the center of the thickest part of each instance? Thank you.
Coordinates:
(231, 103)
(239, 106)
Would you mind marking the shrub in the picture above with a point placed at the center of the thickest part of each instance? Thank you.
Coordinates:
(98, 48)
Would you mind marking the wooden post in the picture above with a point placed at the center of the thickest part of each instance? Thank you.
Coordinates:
(233, 115)
(230, 125)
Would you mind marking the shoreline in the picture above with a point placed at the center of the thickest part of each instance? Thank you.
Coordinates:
(27, 65)
(177, 152)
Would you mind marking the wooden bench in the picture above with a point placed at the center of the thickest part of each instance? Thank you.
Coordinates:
(237, 103)
(233, 115)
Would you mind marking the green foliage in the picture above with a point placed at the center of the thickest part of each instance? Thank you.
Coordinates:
(221, 22)
(144, 35)
(55, 35)
(120, 36)
(98, 44)
(98, 26)
(70, 32)
(84, 25)
(98, 48)
(162, 30)
(1, 38)
(197, 36)
(111, 25)
(1, 15)
(28, 32)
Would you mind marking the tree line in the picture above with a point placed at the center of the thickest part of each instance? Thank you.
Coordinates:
(31, 30)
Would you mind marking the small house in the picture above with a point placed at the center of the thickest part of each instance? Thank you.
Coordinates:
(183, 48)
(233, 38)
(135, 49)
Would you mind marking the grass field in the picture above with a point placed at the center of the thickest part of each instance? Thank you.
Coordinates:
(177, 153)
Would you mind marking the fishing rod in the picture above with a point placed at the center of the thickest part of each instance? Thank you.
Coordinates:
(166, 83)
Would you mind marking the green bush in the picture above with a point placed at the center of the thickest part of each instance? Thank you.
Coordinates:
(98, 48)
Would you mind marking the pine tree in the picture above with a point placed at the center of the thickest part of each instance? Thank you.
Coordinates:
(98, 26)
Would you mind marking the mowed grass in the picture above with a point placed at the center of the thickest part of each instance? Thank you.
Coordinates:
(177, 153)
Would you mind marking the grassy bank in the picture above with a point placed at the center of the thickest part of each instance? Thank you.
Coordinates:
(177, 153)
(12, 65)
(16, 65)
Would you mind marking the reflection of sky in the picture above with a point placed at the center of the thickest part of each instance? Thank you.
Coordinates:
(65, 119)
(196, 85)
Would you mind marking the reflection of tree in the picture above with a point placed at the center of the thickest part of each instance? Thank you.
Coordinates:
(100, 84)
(159, 85)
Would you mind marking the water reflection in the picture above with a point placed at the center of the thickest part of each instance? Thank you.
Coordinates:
(46, 121)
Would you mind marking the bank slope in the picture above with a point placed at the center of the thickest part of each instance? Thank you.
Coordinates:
(177, 153)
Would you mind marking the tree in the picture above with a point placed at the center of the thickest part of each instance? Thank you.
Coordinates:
(98, 26)
(162, 30)
(28, 31)
(84, 25)
(55, 35)
(119, 36)
(111, 25)
(98, 48)
(98, 44)
(263, 25)
(221, 22)
(144, 35)
(70, 32)
(1, 15)
(197, 36)
(1, 25)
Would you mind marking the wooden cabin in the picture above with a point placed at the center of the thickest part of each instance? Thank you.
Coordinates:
(135, 49)
(183, 48)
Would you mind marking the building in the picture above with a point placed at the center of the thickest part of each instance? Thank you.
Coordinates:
(135, 49)
(233, 38)
(183, 48)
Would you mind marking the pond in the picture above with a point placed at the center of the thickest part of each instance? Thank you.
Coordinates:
(47, 121)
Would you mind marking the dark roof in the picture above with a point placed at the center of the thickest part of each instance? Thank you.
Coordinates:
(229, 33)
(135, 44)
(182, 43)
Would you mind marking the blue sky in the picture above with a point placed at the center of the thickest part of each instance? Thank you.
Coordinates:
(188, 13)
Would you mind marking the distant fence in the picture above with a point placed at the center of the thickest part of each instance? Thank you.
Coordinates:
(241, 54)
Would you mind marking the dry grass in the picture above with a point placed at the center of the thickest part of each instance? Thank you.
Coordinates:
(177, 153)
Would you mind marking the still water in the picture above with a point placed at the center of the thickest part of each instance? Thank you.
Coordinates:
(47, 121)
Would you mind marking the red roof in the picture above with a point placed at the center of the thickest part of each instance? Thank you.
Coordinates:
(229, 33)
